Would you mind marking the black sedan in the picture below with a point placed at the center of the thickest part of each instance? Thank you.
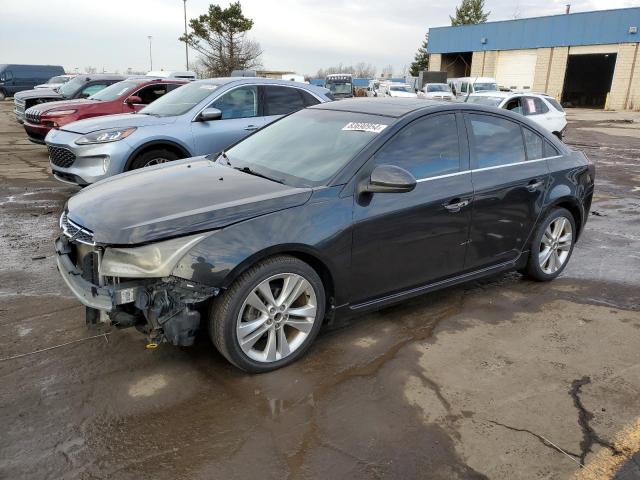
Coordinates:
(339, 208)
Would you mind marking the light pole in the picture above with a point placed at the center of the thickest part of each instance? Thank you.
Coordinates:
(150, 56)
(186, 46)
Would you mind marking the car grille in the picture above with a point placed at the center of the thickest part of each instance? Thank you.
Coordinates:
(32, 115)
(76, 232)
(19, 107)
(61, 157)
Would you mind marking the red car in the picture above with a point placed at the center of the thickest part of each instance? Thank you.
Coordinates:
(127, 96)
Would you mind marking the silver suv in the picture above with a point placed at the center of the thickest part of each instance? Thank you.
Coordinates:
(202, 117)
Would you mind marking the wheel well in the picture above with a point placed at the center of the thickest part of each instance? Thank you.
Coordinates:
(575, 212)
(171, 147)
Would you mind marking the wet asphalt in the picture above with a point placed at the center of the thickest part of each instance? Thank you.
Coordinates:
(502, 378)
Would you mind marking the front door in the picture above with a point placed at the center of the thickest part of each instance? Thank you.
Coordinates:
(509, 185)
(240, 109)
(404, 240)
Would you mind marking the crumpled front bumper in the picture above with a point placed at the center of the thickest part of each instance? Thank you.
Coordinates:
(105, 298)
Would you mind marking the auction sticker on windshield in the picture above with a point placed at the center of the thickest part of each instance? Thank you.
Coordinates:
(364, 127)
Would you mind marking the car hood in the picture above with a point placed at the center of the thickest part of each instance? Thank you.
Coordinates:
(179, 198)
(37, 93)
(63, 104)
(403, 94)
(121, 120)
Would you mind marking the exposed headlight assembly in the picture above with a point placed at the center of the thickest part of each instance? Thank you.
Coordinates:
(106, 136)
(155, 260)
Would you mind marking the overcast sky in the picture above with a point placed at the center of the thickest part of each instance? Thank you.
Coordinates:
(298, 35)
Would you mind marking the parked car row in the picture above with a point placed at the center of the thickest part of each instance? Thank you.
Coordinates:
(341, 207)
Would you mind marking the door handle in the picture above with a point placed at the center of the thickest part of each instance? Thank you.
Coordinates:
(534, 185)
(455, 205)
(251, 127)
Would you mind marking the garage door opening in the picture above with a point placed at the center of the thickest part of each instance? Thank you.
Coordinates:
(588, 80)
(457, 64)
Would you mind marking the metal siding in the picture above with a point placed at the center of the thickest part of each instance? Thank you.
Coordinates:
(588, 28)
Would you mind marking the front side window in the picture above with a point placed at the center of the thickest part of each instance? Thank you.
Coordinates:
(6, 76)
(308, 147)
(534, 145)
(426, 147)
(241, 102)
(282, 100)
(515, 105)
(151, 93)
(496, 141)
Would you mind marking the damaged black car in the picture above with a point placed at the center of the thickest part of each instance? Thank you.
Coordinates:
(340, 208)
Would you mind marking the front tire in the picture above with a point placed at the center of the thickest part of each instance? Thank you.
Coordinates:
(269, 316)
(552, 246)
(153, 157)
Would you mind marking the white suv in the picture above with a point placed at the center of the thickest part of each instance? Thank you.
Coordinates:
(539, 107)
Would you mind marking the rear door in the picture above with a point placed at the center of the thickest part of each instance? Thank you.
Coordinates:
(510, 178)
(404, 240)
(241, 115)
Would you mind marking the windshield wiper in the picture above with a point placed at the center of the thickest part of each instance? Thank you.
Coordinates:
(253, 172)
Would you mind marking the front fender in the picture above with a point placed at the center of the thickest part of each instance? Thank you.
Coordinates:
(319, 229)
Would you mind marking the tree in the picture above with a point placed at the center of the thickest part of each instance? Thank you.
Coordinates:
(421, 59)
(220, 37)
(387, 71)
(364, 70)
(470, 12)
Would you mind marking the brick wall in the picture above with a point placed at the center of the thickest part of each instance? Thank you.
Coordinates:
(620, 96)
(541, 74)
(435, 62)
(558, 67)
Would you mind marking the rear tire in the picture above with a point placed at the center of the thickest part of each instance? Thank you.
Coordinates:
(269, 316)
(552, 246)
(153, 157)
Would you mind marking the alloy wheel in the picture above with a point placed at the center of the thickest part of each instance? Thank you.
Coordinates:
(555, 245)
(156, 161)
(276, 317)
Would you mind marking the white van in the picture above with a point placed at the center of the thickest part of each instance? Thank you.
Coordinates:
(465, 85)
(183, 75)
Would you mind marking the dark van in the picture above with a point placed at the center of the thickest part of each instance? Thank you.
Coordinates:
(15, 78)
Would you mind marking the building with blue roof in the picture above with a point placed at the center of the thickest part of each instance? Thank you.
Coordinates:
(586, 59)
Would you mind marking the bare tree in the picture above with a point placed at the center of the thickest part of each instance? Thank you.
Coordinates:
(90, 69)
(220, 37)
(364, 70)
(387, 71)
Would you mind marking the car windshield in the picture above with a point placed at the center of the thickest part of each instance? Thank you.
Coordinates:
(485, 87)
(72, 86)
(483, 100)
(306, 148)
(339, 88)
(438, 87)
(399, 88)
(58, 80)
(180, 100)
(114, 91)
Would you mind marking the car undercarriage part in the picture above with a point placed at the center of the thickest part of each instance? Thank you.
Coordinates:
(168, 307)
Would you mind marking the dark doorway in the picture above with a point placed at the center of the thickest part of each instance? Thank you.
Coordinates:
(588, 80)
(456, 64)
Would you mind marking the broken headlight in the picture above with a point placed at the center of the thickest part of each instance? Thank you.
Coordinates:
(155, 260)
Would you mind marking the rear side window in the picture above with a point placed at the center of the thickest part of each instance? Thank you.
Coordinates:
(282, 100)
(534, 145)
(496, 141)
(91, 89)
(308, 98)
(550, 150)
(554, 103)
(426, 147)
(535, 106)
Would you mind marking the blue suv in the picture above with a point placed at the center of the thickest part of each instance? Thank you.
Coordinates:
(200, 118)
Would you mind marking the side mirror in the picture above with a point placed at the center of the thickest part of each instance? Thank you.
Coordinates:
(388, 179)
(133, 100)
(210, 114)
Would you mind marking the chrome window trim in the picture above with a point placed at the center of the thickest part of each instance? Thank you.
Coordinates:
(437, 177)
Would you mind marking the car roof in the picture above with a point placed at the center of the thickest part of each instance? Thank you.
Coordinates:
(102, 76)
(260, 81)
(387, 106)
(508, 94)
(475, 79)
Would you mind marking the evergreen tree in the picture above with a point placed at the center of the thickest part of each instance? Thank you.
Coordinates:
(421, 60)
(470, 12)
